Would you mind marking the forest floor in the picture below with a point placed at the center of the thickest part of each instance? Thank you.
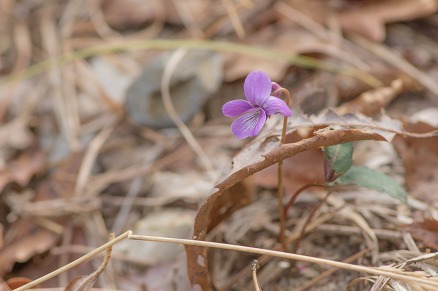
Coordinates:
(111, 120)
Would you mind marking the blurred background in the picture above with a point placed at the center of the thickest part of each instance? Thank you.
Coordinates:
(100, 132)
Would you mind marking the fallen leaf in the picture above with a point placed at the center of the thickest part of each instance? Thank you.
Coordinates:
(21, 170)
(63, 180)
(220, 205)
(265, 151)
(213, 211)
(36, 240)
(428, 115)
(302, 169)
(425, 231)
(256, 150)
(420, 157)
(371, 102)
(16, 134)
(170, 187)
(124, 14)
(170, 222)
(291, 40)
(369, 19)
(16, 282)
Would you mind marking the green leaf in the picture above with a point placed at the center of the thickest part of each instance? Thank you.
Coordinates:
(375, 180)
(337, 160)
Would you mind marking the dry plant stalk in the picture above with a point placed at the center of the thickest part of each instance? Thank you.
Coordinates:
(84, 283)
(82, 259)
(387, 272)
(170, 67)
(254, 267)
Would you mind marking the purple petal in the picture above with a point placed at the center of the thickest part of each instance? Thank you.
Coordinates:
(236, 107)
(275, 105)
(257, 87)
(275, 87)
(249, 124)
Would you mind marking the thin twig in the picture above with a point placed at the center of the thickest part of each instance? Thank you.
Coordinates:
(307, 222)
(82, 259)
(391, 57)
(393, 274)
(90, 157)
(170, 67)
(329, 272)
(295, 195)
(234, 18)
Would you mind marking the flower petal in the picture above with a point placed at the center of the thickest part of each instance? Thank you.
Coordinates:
(275, 87)
(257, 87)
(236, 107)
(275, 105)
(249, 124)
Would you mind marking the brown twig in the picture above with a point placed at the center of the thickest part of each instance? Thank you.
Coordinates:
(306, 223)
(295, 195)
(75, 263)
(393, 274)
(329, 272)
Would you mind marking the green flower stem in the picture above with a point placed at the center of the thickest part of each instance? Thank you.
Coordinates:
(166, 44)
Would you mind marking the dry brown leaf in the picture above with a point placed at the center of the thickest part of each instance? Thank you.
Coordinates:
(85, 283)
(369, 19)
(425, 231)
(266, 151)
(62, 183)
(16, 134)
(302, 169)
(210, 213)
(254, 151)
(16, 282)
(322, 89)
(420, 158)
(35, 241)
(29, 163)
(213, 211)
(370, 102)
(122, 14)
(132, 13)
(291, 40)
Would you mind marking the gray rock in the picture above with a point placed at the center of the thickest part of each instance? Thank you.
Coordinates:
(197, 76)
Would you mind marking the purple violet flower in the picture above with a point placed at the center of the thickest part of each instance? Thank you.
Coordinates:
(252, 114)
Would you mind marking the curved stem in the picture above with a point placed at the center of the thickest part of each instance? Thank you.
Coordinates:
(306, 223)
(295, 195)
(255, 266)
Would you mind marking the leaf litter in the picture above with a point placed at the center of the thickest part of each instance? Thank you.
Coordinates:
(64, 171)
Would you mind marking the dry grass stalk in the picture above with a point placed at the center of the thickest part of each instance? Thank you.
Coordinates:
(82, 259)
(387, 272)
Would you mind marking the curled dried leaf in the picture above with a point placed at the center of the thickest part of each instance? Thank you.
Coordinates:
(369, 19)
(370, 102)
(206, 219)
(85, 283)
